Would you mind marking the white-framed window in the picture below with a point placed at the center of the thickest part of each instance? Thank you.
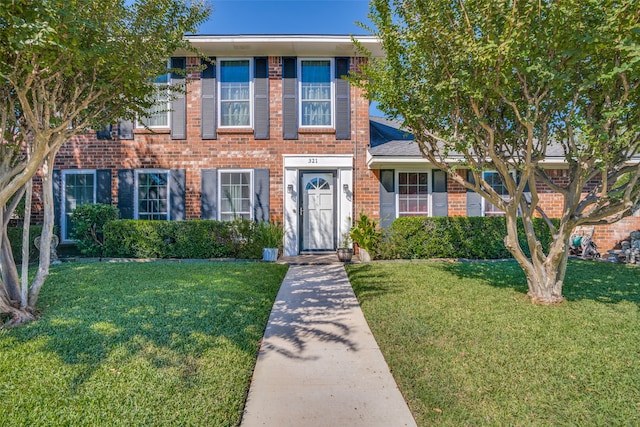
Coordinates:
(413, 193)
(235, 194)
(151, 195)
(235, 89)
(316, 89)
(495, 181)
(78, 188)
(160, 112)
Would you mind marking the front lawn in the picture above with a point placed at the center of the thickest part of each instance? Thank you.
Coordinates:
(124, 344)
(468, 348)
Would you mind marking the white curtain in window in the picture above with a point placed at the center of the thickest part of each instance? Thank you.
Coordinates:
(316, 93)
(235, 93)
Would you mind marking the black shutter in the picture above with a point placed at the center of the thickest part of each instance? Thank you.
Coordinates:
(261, 194)
(261, 98)
(208, 100)
(177, 191)
(179, 100)
(125, 193)
(103, 178)
(440, 195)
(289, 98)
(209, 194)
(387, 197)
(125, 129)
(57, 198)
(474, 200)
(343, 93)
(104, 132)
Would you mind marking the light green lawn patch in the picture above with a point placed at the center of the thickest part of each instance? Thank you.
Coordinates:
(468, 348)
(124, 344)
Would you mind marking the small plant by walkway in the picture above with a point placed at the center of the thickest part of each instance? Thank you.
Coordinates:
(468, 348)
(138, 344)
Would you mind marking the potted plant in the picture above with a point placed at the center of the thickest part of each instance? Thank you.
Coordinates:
(270, 235)
(365, 235)
(345, 251)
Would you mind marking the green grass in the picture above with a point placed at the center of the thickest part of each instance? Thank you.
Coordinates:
(125, 344)
(468, 348)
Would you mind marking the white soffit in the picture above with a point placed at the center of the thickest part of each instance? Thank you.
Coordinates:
(282, 45)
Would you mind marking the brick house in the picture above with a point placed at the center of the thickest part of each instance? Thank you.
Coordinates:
(270, 131)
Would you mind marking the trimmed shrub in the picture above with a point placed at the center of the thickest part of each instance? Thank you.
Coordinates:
(88, 225)
(15, 237)
(453, 237)
(199, 239)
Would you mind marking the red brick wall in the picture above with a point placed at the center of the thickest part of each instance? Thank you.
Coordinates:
(233, 148)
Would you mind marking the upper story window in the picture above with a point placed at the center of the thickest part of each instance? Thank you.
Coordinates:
(235, 93)
(413, 194)
(160, 111)
(152, 194)
(316, 92)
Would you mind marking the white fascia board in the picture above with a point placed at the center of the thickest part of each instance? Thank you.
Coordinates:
(379, 162)
(282, 45)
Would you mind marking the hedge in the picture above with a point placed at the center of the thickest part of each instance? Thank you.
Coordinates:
(200, 239)
(15, 237)
(453, 237)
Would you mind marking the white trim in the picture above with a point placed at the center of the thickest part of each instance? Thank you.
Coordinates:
(292, 165)
(332, 80)
(219, 192)
(283, 45)
(219, 62)
(317, 161)
(429, 173)
(63, 197)
(135, 189)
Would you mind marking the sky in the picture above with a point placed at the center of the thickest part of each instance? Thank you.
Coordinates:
(286, 17)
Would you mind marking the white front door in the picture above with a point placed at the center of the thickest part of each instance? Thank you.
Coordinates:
(317, 211)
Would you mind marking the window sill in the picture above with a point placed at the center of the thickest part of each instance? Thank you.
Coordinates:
(152, 131)
(234, 131)
(312, 131)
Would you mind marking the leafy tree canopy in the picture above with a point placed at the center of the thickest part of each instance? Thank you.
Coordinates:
(67, 66)
(511, 86)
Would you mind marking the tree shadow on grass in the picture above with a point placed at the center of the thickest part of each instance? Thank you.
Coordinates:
(585, 280)
(109, 313)
(369, 282)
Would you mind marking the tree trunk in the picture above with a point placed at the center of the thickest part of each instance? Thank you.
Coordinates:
(545, 280)
(47, 232)
(545, 273)
(10, 278)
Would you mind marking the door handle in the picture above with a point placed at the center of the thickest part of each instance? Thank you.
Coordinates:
(301, 211)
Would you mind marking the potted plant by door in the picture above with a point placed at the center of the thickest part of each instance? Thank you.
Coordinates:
(345, 251)
(365, 235)
(270, 235)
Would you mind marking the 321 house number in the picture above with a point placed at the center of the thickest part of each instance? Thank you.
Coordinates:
(313, 160)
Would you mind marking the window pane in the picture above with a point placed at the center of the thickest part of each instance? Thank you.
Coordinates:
(315, 93)
(235, 93)
(79, 190)
(413, 193)
(495, 181)
(235, 195)
(159, 112)
(153, 196)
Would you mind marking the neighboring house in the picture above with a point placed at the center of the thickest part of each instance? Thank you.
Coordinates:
(411, 186)
(270, 131)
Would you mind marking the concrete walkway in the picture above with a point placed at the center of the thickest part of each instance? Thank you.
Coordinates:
(319, 364)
